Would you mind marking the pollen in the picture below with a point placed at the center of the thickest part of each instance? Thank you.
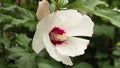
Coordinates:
(57, 36)
(61, 37)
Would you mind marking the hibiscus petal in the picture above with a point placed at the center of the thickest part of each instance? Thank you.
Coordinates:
(48, 23)
(45, 25)
(53, 52)
(37, 44)
(43, 9)
(73, 47)
(75, 24)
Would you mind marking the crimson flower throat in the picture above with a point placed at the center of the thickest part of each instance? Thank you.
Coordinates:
(57, 36)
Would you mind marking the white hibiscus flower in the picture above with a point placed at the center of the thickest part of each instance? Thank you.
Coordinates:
(56, 32)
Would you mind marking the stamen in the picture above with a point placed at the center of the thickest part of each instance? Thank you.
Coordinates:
(61, 37)
(57, 36)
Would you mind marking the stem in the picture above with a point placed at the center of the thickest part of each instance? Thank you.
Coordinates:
(53, 1)
(1, 29)
(2, 3)
(3, 47)
(19, 2)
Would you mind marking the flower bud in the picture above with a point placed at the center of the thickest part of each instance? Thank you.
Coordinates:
(43, 9)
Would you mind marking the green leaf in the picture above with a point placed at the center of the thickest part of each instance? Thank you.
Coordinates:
(17, 52)
(3, 63)
(7, 26)
(27, 61)
(105, 64)
(111, 15)
(15, 15)
(104, 30)
(43, 65)
(117, 51)
(115, 3)
(118, 44)
(82, 65)
(4, 18)
(59, 3)
(117, 63)
(86, 4)
(53, 1)
(23, 40)
(42, 61)
(52, 7)
(24, 59)
(31, 25)
(18, 22)
(91, 4)
(9, 20)
(16, 12)
(101, 55)
(5, 42)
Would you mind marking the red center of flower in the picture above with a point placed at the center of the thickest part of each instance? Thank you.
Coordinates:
(57, 36)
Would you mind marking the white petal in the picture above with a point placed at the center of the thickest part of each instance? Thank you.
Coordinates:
(83, 28)
(45, 25)
(37, 44)
(43, 9)
(75, 23)
(73, 47)
(48, 23)
(53, 52)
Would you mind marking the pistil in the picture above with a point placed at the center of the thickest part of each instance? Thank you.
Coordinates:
(57, 36)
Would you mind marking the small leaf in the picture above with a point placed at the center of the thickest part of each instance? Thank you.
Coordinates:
(5, 42)
(105, 64)
(86, 4)
(100, 55)
(16, 12)
(91, 4)
(3, 63)
(31, 25)
(18, 22)
(27, 61)
(59, 3)
(49, 62)
(17, 52)
(82, 65)
(104, 30)
(118, 44)
(5, 18)
(117, 51)
(111, 15)
(52, 7)
(117, 63)
(16, 17)
(24, 59)
(43, 65)
(65, 2)
(23, 40)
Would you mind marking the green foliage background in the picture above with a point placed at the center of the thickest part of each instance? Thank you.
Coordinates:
(18, 23)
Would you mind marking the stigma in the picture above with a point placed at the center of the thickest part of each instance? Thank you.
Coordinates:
(57, 36)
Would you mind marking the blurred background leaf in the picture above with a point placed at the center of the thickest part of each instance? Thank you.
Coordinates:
(82, 65)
